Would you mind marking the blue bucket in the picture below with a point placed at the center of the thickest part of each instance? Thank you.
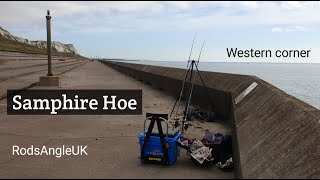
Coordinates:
(153, 149)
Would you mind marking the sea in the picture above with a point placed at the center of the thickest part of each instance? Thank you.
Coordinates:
(301, 80)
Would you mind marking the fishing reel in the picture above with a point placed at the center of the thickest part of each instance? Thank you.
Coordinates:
(184, 126)
(176, 124)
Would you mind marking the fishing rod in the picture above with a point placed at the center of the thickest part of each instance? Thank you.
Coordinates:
(183, 84)
(194, 37)
(193, 63)
(181, 93)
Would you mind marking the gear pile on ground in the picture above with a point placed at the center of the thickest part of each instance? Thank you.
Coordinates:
(212, 148)
(200, 152)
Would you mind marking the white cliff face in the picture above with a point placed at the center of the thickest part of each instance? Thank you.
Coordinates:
(58, 46)
(4, 33)
(22, 40)
(64, 47)
(71, 48)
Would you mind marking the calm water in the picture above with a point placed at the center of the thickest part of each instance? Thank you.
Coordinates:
(299, 80)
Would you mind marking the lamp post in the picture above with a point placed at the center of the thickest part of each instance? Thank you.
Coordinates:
(49, 79)
(48, 17)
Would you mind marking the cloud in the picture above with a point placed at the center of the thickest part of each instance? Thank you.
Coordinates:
(296, 29)
(292, 5)
(254, 13)
(114, 16)
(289, 29)
(276, 29)
(76, 20)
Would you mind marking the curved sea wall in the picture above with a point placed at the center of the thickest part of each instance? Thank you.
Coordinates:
(275, 135)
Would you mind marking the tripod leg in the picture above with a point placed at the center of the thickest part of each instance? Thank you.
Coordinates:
(210, 101)
(174, 106)
(188, 98)
(180, 95)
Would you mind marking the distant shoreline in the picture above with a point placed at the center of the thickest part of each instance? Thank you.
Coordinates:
(111, 59)
(134, 60)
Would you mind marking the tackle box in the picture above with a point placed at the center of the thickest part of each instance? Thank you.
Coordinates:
(153, 149)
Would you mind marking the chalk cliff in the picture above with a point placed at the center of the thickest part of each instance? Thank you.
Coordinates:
(57, 46)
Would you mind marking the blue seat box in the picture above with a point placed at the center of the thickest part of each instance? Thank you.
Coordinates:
(154, 148)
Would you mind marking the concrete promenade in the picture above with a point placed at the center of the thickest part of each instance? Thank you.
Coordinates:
(113, 148)
(275, 135)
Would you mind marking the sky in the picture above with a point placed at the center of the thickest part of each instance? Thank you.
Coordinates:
(163, 30)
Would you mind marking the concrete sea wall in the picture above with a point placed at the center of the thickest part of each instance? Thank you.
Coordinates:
(275, 135)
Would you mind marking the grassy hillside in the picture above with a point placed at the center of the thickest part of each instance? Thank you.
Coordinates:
(14, 46)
